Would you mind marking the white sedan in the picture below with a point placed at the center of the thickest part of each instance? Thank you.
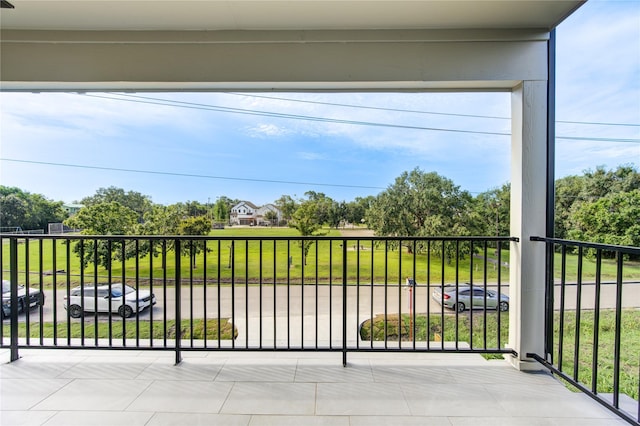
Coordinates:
(100, 299)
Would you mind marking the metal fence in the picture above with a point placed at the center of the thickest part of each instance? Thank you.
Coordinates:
(592, 336)
(253, 294)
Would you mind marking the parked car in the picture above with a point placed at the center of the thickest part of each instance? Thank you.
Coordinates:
(99, 299)
(463, 299)
(33, 299)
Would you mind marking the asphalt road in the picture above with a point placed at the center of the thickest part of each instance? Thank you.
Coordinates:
(301, 301)
(303, 315)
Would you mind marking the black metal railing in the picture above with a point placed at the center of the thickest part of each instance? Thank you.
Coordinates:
(254, 293)
(592, 336)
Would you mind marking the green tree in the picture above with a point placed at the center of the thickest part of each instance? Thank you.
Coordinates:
(491, 212)
(135, 201)
(195, 209)
(572, 192)
(305, 220)
(194, 226)
(287, 206)
(13, 211)
(569, 190)
(104, 219)
(356, 210)
(419, 203)
(19, 208)
(612, 219)
(337, 214)
(601, 182)
(221, 211)
(422, 204)
(161, 220)
(272, 217)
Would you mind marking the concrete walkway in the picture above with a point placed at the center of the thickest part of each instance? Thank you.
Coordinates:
(99, 387)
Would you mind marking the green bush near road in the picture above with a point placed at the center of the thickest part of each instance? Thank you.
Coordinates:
(440, 328)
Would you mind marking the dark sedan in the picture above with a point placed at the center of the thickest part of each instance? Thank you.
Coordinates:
(25, 301)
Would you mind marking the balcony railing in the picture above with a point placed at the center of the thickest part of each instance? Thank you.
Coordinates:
(275, 293)
(593, 321)
(338, 294)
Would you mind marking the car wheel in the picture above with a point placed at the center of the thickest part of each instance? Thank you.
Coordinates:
(504, 306)
(460, 307)
(75, 311)
(125, 311)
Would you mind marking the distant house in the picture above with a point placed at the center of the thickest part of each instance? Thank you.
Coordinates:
(262, 215)
(247, 213)
(243, 213)
(72, 208)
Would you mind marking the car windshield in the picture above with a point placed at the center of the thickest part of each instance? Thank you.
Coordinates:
(6, 286)
(117, 291)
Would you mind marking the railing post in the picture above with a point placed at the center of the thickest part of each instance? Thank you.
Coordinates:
(549, 302)
(344, 303)
(550, 204)
(618, 332)
(178, 313)
(13, 277)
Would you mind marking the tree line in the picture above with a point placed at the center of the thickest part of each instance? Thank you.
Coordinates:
(598, 206)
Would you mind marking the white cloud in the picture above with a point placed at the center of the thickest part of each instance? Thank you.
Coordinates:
(311, 156)
(574, 157)
(598, 63)
(267, 130)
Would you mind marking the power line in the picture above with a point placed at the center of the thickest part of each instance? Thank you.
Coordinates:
(191, 175)
(367, 107)
(191, 105)
(418, 111)
(593, 139)
(206, 107)
(154, 172)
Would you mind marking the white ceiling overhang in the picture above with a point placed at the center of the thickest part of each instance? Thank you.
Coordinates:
(267, 45)
(186, 15)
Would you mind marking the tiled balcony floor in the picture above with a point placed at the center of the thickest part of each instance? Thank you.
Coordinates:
(96, 387)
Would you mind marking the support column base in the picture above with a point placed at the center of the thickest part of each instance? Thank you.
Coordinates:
(524, 364)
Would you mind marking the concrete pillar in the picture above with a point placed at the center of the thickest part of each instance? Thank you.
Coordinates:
(528, 218)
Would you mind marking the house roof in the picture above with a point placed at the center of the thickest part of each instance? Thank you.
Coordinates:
(193, 15)
(244, 203)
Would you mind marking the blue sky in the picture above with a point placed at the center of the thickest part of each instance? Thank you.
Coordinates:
(199, 154)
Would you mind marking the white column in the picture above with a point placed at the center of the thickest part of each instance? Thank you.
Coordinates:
(528, 198)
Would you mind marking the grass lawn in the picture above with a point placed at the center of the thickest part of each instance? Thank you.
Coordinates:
(270, 260)
(582, 363)
(631, 271)
(147, 330)
(256, 261)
